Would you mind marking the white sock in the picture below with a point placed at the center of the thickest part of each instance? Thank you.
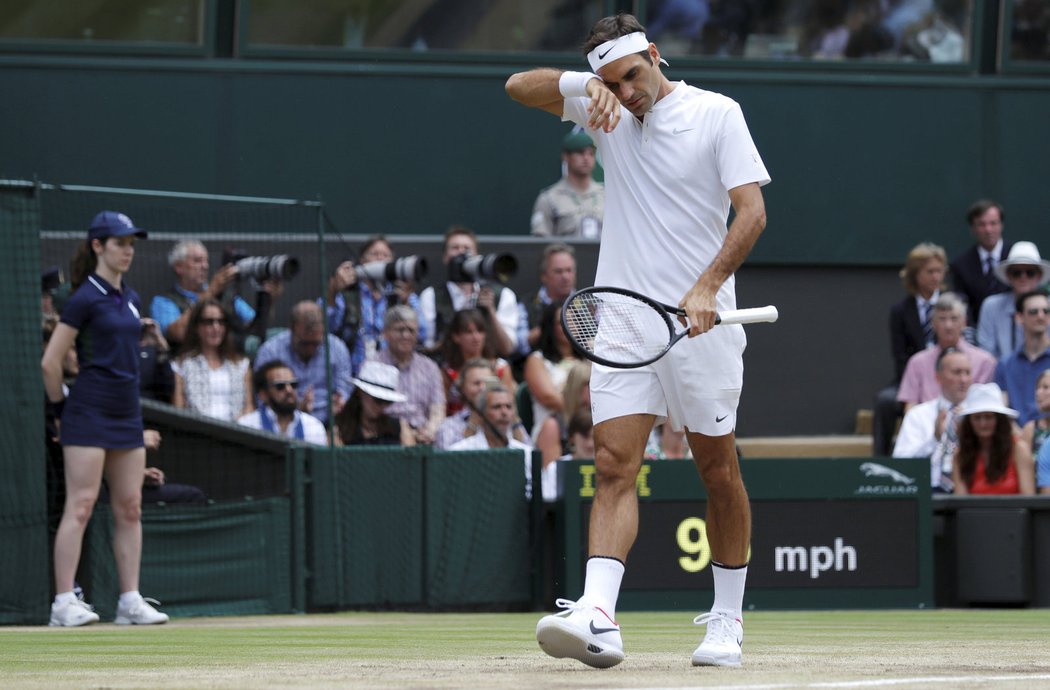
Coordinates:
(729, 589)
(602, 586)
(128, 598)
(64, 598)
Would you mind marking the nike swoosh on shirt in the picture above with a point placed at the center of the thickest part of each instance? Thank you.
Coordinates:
(599, 631)
(677, 131)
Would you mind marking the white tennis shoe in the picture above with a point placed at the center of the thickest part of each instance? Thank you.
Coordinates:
(723, 642)
(582, 632)
(72, 614)
(139, 612)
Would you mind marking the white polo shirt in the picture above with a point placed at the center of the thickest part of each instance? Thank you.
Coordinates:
(666, 190)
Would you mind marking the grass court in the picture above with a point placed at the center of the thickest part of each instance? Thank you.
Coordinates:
(832, 649)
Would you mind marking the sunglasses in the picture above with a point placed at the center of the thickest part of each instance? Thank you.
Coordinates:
(1036, 311)
(213, 322)
(282, 385)
(1025, 272)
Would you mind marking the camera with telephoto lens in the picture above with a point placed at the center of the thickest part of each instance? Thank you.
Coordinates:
(467, 268)
(262, 268)
(407, 268)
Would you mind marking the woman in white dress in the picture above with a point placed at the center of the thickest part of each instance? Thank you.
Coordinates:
(211, 377)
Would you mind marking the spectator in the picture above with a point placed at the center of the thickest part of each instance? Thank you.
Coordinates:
(664, 443)
(929, 429)
(100, 423)
(1017, 373)
(189, 260)
(155, 486)
(468, 339)
(579, 447)
(278, 412)
(919, 382)
(211, 377)
(420, 378)
(557, 282)
(471, 382)
(51, 280)
(990, 458)
(999, 331)
(546, 371)
(496, 404)
(498, 305)
(1036, 430)
(1042, 472)
(302, 349)
(572, 206)
(355, 306)
(156, 377)
(973, 271)
(911, 330)
(581, 436)
(365, 419)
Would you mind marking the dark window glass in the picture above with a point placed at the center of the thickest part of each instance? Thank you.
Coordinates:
(1030, 30)
(461, 25)
(126, 21)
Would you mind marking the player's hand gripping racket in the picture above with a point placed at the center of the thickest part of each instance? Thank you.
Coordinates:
(623, 329)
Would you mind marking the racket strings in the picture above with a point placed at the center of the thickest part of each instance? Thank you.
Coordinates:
(617, 327)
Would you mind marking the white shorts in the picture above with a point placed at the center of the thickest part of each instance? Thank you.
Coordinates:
(696, 385)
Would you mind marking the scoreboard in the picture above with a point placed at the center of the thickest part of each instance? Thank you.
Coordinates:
(826, 533)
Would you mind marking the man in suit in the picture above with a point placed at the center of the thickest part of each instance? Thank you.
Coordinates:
(973, 271)
(911, 330)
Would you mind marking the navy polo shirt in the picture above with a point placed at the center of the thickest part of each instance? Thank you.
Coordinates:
(108, 332)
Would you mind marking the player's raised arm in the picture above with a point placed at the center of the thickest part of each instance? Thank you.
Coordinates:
(537, 88)
(546, 89)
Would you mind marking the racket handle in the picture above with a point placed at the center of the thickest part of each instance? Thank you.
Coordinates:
(754, 315)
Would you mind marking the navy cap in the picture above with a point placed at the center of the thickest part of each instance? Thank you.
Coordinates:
(113, 224)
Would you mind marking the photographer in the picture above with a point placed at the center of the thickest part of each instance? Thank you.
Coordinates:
(355, 305)
(498, 303)
(189, 260)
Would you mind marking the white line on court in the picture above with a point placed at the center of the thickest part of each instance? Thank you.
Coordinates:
(883, 682)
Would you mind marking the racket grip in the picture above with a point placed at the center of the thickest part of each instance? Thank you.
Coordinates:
(754, 315)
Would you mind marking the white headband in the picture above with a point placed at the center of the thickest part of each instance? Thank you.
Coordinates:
(618, 48)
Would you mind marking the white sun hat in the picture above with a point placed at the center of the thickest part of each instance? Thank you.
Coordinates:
(379, 380)
(985, 397)
(1023, 254)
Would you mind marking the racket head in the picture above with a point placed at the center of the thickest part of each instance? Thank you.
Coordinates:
(618, 327)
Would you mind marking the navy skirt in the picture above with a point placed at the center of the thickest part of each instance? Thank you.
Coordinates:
(102, 417)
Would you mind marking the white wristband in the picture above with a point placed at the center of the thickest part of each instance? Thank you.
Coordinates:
(574, 84)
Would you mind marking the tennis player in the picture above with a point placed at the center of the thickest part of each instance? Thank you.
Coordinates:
(675, 158)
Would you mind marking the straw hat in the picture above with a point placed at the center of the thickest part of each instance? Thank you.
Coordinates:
(985, 397)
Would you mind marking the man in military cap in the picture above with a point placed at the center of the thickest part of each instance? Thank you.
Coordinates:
(572, 206)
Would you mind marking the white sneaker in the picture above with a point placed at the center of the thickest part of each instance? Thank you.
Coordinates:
(723, 641)
(72, 613)
(139, 612)
(585, 633)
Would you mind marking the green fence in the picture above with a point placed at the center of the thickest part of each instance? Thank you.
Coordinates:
(387, 528)
(24, 579)
(417, 528)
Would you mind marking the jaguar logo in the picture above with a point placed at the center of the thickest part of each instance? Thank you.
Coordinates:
(873, 469)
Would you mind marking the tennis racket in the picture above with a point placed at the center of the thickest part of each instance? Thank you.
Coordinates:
(623, 329)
